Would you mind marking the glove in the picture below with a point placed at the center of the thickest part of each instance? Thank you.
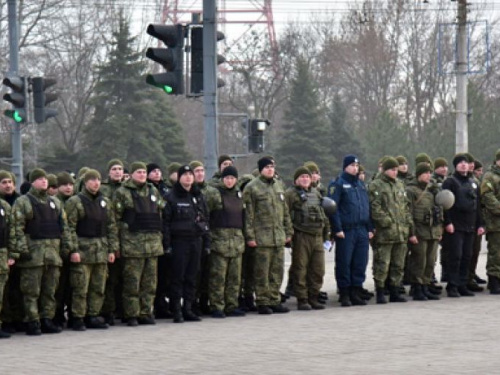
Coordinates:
(168, 251)
(207, 250)
(25, 256)
(327, 245)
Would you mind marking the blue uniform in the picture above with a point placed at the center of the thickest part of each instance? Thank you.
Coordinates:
(352, 218)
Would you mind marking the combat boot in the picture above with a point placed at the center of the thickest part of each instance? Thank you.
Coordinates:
(279, 309)
(493, 284)
(4, 335)
(464, 291)
(9, 328)
(162, 308)
(48, 326)
(189, 315)
(315, 304)
(452, 292)
(430, 296)
(33, 328)
(473, 287)
(146, 320)
(365, 294)
(177, 311)
(435, 289)
(344, 300)
(109, 319)
(381, 296)
(250, 303)
(132, 322)
(354, 294)
(418, 294)
(303, 305)
(394, 294)
(95, 322)
(78, 325)
(264, 310)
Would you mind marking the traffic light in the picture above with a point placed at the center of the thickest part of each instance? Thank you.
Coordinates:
(197, 60)
(41, 99)
(256, 130)
(171, 58)
(17, 97)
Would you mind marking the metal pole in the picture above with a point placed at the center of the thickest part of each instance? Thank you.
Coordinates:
(461, 136)
(17, 146)
(210, 85)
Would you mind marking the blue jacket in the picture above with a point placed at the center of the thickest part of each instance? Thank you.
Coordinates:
(353, 204)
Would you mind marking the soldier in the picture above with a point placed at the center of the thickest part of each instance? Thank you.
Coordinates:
(428, 229)
(316, 177)
(155, 178)
(172, 169)
(391, 216)
(185, 236)
(115, 178)
(461, 222)
(267, 229)
(362, 173)
(7, 244)
(311, 229)
(52, 190)
(353, 229)
(490, 199)
(227, 246)
(404, 174)
(79, 179)
(223, 162)
(65, 186)
(138, 207)
(439, 175)
(42, 237)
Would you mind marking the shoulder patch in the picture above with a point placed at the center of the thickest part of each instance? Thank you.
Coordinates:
(331, 190)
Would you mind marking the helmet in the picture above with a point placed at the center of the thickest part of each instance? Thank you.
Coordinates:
(329, 206)
(445, 198)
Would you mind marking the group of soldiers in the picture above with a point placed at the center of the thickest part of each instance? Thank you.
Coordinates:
(142, 246)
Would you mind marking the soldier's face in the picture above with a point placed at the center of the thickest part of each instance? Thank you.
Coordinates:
(155, 175)
(362, 176)
(173, 177)
(40, 183)
(225, 163)
(303, 181)
(116, 173)
(66, 189)
(315, 176)
(392, 173)
(139, 176)
(462, 167)
(425, 177)
(403, 168)
(442, 171)
(93, 185)
(199, 174)
(6, 186)
(471, 167)
(268, 171)
(478, 172)
(229, 181)
(52, 190)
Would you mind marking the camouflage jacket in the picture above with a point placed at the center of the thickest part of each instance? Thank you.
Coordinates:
(390, 210)
(211, 195)
(9, 250)
(63, 198)
(427, 216)
(108, 188)
(267, 219)
(136, 244)
(321, 188)
(91, 250)
(490, 199)
(43, 251)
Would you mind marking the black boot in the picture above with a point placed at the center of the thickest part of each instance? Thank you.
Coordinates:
(78, 325)
(95, 322)
(4, 335)
(49, 327)
(356, 300)
(177, 311)
(452, 291)
(365, 294)
(250, 303)
(162, 308)
(344, 300)
(464, 291)
(430, 296)
(189, 315)
(418, 294)
(381, 296)
(33, 328)
(494, 284)
(394, 294)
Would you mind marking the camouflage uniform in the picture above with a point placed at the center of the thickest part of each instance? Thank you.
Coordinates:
(267, 221)
(140, 246)
(391, 217)
(7, 246)
(88, 278)
(40, 258)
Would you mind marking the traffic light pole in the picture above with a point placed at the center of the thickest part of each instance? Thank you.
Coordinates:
(210, 85)
(17, 146)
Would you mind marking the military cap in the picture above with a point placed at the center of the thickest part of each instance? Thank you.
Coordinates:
(382, 159)
(422, 158)
(300, 171)
(390, 163)
(459, 158)
(114, 162)
(91, 174)
(440, 162)
(173, 167)
(52, 178)
(184, 169)
(401, 159)
(312, 166)
(137, 165)
(37, 173)
(229, 171)
(470, 157)
(264, 162)
(151, 167)
(64, 178)
(422, 168)
(82, 171)
(223, 158)
(195, 164)
(477, 164)
(4, 175)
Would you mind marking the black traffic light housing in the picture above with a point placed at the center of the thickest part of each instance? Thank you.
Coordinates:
(41, 98)
(171, 58)
(256, 130)
(17, 98)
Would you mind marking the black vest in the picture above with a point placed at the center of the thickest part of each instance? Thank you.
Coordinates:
(45, 223)
(466, 196)
(145, 216)
(94, 224)
(231, 215)
(3, 228)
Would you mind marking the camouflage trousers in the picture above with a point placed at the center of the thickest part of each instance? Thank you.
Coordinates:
(268, 275)
(113, 292)
(3, 282)
(224, 282)
(13, 307)
(38, 285)
(139, 286)
(493, 259)
(422, 260)
(308, 265)
(389, 262)
(88, 282)
(247, 266)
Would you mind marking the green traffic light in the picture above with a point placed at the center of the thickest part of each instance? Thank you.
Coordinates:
(15, 115)
(168, 89)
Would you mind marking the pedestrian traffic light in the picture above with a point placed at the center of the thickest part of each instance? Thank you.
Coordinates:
(256, 130)
(197, 60)
(171, 58)
(41, 98)
(17, 98)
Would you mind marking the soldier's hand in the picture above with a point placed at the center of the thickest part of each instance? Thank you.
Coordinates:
(75, 258)
(11, 262)
(413, 240)
(252, 244)
(26, 256)
(111, 258)
(340, 234)
(370, 235)
(480, 231)
(450, 228)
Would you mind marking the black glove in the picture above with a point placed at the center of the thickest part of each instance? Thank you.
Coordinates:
(168, 251)
(25, 256)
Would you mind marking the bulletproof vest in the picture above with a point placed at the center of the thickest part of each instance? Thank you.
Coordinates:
(231, 215)
(308, 214)
(145, 216)
(45, 223)
(425, 211)
(3, 228)
(93, 225)
(466, 196)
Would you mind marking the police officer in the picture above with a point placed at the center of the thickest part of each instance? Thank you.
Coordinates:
(185, 236)
(267, 229)
(460, 223)
(94, 234)
(352, 227)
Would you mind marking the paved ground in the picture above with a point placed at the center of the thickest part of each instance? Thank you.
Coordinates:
(450, 336)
